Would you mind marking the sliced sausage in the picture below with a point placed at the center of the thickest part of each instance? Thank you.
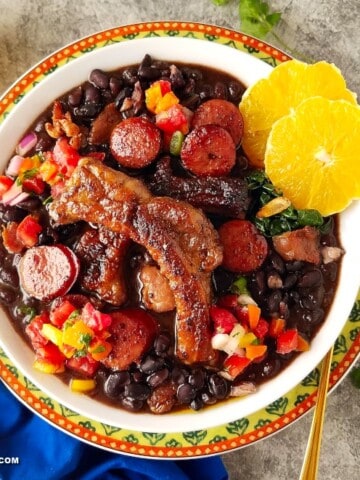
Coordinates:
(208, 150)
(135, 142)
(245, 249)
(132, 333)
(302, 244)
(222, 113)
(48, 271)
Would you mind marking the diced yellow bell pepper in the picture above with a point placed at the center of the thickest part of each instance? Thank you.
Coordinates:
(47, 367)
(152, 96)
(48, 171)
(52, 333)
(99, 349)
(247, 339)
(78, 335)
(165, 102)
(82, 385)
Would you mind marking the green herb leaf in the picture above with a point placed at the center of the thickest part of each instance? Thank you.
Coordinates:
(80, 353)
(355, 377)
(256, 19)
(86, 338)
(28, 312)
(47, 200)
(99, 349)
(239, 286)
(74, 314)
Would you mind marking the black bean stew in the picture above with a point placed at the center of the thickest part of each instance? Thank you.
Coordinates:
(132, 256)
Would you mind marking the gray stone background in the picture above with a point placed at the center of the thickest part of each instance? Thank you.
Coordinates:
(320, 29)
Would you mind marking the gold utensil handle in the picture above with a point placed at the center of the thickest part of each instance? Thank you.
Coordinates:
(311, 459)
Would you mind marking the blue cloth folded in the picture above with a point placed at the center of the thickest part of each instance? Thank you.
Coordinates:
(46, 453)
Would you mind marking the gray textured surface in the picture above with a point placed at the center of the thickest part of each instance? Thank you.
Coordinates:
(322, 29)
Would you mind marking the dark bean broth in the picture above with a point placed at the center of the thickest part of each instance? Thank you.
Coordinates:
(303, 299)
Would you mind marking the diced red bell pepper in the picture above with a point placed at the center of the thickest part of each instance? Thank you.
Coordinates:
(261, 329)
(175, 118)
(224, 321)
(51, 354)
(5, 184)
(28, 231)
(95, 319)
(65, 156)
(61, 313)
(34, 184)
(287, 341)
(235, 364)
(85, 365)
(33, 330)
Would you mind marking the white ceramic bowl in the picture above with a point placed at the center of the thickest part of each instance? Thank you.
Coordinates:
(247, 69)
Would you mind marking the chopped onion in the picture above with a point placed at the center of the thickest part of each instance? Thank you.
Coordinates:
(14, 166)
(245, 299)
(14, 195)
(27, 143)
(243, 388)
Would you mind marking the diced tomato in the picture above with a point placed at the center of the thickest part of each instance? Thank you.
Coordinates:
(28, 231)
(228, 301)
(261, 329)
(95, 319)
(33, 330)
(173, 119)
(51, 354)
(242, 314)
(10, 240)
(34, 184)
(287, 341)
(5, 184)
(235, 364)
(61, 313)
(65, 156)
(85, 365)
(223, 320)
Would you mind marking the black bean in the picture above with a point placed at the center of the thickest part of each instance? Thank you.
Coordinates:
(220, 90)
(148, 73)
(192, 72)
(179, 375)
(208, 398)
(197, 378)
(270, 367)
(290, 281)
(151, 363)
(99, 78)
(197, 403)
(40, 124)
(130, 76)
(218, 386)
(48, 237)
(311, 278)
(157, 378)
(138, 391)
(294, 266)
(138, 377)
(284, 311)
(206, 92)
(162, 343)
(312, 298)
(176, 78)
(91, 94)
(30, 204)
(277, 263)
(75, 97)
(185, 393)
(14, 214)
(115, 383)
(274, 300)
(87, 111)
(235, 91)
(191, 101)
(7, 295)
(260, 281)
(132, 404)
(115, 84)
(44, 142)
(124, 93)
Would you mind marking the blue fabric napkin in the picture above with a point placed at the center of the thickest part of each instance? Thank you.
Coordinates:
(46, 453)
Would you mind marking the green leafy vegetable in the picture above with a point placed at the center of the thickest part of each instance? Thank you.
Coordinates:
(355, 377)
(256, 18)
(263, 191)
(239, 286)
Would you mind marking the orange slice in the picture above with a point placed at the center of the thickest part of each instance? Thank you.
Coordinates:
(284, 89)
(312, 155)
